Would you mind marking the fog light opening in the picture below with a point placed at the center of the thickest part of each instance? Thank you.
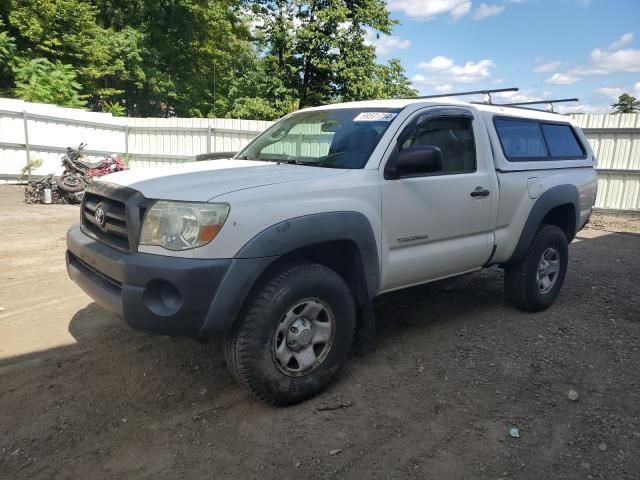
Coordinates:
(162, 298)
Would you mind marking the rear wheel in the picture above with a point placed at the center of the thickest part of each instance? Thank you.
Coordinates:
(534, 283)
(295, 334)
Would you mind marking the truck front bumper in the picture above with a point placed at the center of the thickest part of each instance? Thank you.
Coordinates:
(158, 294)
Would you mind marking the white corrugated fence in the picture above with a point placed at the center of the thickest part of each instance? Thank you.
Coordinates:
(615, 140)
(32, 130)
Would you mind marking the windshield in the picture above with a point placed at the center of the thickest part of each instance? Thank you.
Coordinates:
(334, 138)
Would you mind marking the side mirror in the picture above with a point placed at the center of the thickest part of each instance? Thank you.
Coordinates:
(415, 161)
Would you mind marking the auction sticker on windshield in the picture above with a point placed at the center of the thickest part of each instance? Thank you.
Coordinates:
(375, 117)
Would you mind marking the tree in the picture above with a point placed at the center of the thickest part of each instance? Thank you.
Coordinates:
(626, 104)
(315, 50)
(39, 80)
(243, 58)
(114, 108)
(195, 54)
(7, 46)
(7, 50)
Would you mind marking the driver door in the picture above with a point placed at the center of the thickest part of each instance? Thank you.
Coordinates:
(438, 224)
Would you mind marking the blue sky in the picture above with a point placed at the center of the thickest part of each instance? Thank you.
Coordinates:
(560, 48)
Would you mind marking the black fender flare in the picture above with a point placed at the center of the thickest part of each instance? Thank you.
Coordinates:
(253, 259)
(300, 232)
(554, 197)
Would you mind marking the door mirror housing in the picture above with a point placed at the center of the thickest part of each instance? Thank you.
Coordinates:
(414, 161)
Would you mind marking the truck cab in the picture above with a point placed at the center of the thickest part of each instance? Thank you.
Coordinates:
(282, 248)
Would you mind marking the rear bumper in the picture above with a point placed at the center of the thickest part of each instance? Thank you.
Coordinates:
(158, 294)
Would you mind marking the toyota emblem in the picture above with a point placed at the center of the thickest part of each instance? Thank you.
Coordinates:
(99, 216)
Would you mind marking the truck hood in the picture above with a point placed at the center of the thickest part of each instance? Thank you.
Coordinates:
(203, 181)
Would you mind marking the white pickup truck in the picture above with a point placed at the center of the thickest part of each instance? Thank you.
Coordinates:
(282, 248)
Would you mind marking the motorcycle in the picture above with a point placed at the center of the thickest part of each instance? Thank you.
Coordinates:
(77, 175)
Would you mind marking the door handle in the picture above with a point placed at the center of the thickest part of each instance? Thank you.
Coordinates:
(480, 192)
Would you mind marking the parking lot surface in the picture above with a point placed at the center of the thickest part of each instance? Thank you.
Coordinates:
(84, 396)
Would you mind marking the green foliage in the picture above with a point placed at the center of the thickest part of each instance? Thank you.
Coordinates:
(204, 58)
(7, 45)
(114, 108)
(315, 51)
(7, 50)
(626, 104)
(32, 164)
(39, 80)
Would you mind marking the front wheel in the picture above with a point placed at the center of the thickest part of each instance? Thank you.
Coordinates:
(72, 183)
(534, 283)
(294, 335)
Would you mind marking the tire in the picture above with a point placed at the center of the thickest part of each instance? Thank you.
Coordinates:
(523, 288)
(305, 302)
(72, 183)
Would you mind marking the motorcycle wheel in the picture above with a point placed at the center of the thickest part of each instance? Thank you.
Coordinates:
(72, 183)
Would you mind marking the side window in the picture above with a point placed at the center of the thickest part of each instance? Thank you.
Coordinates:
(521, 139)
(562, 141)
(454, 137)
(533, 140)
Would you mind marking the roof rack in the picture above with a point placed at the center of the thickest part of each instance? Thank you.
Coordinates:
(486, 100)
(548, 103)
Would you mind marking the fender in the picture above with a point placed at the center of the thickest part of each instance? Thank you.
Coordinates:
(299, 232)
(253, 259)
(554, 197)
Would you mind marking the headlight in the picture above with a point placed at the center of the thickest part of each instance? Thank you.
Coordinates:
(182, 225)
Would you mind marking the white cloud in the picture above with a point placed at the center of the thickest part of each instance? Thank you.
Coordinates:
(420, 82)
(461, 10)
(427, 9)
(446, 88)
(622, 42)
(519, 96)
(532, 96)
(437, 64)
(605, 61)
(386, 44)
(444, 68)
(485, 11)
(441, 74)
(546, 67)
(612, 93)
(431, 84)
(562, 79)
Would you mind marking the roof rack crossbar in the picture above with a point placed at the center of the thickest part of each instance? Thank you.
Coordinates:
(548, 103)
(474, 92)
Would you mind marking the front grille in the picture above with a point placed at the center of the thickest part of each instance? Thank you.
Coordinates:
(106, 219)
(113, 214)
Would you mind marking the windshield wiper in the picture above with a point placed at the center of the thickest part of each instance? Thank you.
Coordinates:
(287, 160)
(294, 161)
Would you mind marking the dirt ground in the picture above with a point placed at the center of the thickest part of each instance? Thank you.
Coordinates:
(84, 396)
